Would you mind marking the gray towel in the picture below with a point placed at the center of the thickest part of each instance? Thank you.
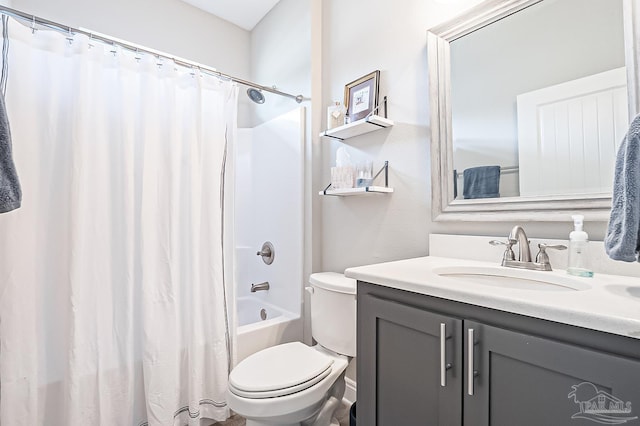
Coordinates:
(481, 182)
(622, 241)
(10, 192)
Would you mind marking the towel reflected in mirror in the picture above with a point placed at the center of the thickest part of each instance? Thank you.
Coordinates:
(481, 182)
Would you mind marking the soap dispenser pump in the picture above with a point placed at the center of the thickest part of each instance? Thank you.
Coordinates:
(578, 240)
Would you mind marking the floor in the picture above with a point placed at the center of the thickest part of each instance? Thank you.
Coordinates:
(233, 421)
(343, 417)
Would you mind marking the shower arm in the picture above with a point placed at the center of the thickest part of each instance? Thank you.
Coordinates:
(297, 98)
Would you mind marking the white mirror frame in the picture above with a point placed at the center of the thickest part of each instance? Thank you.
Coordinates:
(444, 207)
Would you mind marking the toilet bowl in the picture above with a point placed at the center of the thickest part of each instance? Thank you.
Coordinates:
(293, 384)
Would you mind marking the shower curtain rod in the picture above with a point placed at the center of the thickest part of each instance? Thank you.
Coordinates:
(136, 48)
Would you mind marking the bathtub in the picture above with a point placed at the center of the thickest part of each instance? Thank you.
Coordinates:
(256, 333)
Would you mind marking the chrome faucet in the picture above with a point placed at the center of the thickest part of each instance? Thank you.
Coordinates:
(518, 236)
(260, 287)
(524, 251)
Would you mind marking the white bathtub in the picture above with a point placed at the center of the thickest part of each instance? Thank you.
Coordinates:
(255, 333)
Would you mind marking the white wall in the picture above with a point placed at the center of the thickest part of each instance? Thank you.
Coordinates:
(276, 52)
(170, 26)
(392, 38)
(508, 61)
(268, 205)
(351, 39)
(358, 37)
(281, 56)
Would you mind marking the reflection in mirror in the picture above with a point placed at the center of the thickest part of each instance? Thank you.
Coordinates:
(538, 107)
(539, 101)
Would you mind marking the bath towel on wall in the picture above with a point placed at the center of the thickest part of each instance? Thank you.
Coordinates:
(10, 192)
(622, 241)
(481, 182)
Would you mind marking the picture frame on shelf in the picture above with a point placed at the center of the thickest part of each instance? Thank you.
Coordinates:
(361, 96)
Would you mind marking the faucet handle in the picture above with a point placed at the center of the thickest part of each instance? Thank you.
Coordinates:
(508, 243)
(508, 252)
(544, 246)
(542, 256)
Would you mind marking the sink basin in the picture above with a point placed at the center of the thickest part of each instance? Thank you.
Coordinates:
(625, 291)
(521, 279)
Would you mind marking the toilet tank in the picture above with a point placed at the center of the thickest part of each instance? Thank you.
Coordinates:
(333, 311)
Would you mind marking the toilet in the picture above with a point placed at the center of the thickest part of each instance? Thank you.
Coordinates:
(295, 384)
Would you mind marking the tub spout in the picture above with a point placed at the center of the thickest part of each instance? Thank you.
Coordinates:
(259, 287)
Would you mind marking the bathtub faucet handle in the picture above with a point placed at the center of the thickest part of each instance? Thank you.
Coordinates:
(260, 287)
(267, 252)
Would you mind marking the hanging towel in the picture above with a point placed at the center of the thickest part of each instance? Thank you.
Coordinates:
(622, 241)
(10, 192)
(481, 182)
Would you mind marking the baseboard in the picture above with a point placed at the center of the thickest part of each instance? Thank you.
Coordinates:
(350, 391)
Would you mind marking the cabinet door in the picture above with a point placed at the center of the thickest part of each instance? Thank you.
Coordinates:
(401, 354)
(529, 381)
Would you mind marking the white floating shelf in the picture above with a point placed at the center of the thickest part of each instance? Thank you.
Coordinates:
(347, 192)
(357, 128)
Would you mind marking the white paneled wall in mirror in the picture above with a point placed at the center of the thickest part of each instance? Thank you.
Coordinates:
(569, 133)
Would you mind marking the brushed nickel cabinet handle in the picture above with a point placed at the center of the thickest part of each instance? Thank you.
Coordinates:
(443, 354)
(470, 371)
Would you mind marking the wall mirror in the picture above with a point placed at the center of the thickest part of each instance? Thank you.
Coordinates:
(529, 101)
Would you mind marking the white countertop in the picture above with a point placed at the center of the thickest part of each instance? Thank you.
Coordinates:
(611, 304)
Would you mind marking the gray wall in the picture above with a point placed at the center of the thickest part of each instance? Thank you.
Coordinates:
(350, 39)
(170, 26)
(281, 56)
(358, 37)
(490, 67)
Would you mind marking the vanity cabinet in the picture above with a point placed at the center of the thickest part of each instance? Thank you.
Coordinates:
(497, 368)
(402, 366)
(526, 380)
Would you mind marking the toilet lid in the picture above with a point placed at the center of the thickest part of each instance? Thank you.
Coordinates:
(279, 370)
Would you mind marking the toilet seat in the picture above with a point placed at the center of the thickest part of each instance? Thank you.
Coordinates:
(280, 370)
(294, 407)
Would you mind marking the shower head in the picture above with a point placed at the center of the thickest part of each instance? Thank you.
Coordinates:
(255, 95)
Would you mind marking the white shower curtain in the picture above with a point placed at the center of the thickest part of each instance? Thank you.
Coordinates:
(112, 296)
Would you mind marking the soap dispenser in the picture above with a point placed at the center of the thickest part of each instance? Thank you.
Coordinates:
(578, 240)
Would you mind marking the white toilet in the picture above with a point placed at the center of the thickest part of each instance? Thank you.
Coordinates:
(295, 384)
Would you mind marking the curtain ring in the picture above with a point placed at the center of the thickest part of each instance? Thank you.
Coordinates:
(70, 36)
(33, 24)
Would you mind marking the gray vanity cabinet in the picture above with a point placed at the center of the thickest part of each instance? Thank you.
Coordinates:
(523, 372)
(526, 380)
(402, 369)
